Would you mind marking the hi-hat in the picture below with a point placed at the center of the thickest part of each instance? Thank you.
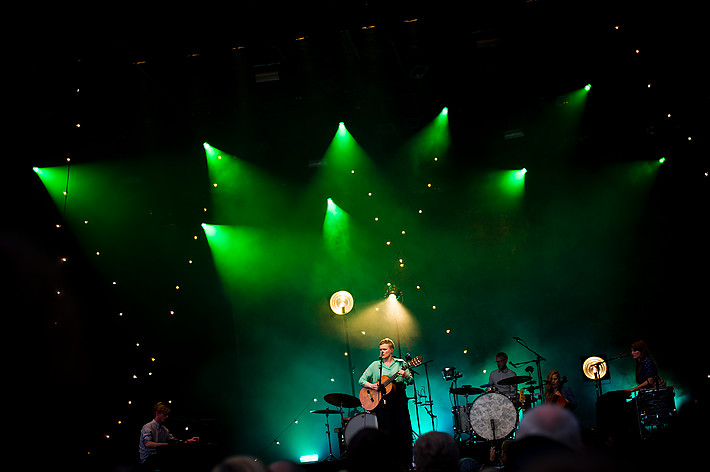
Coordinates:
(342, 400)
(465, 390)
(515, 380)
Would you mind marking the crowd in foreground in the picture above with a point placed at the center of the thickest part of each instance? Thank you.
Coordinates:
(548, 439)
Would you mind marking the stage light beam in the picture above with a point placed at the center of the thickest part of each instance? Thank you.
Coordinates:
(336, 230)
(433, 141)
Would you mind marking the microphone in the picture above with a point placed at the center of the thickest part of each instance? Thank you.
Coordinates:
(517, 338)
(620, 357)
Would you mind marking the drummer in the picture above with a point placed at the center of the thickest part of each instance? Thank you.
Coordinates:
(502, 372)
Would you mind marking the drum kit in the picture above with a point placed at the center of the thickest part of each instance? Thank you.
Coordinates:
(349, 425)
(492, 415)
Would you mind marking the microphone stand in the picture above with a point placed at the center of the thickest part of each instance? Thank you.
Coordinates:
(351, 371)
(538, 359)
(597, 379)
(458, 430)
(427, 404)
(379, 383)
(416, 401)
(430, 402)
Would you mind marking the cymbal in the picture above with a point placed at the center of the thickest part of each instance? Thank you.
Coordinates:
(515, 380)
(466, 390)
(326, 412)
(342, 400)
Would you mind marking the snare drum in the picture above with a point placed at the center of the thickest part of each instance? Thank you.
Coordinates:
(357, 423)
(493, 416)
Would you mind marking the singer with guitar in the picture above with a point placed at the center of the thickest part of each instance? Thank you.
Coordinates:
(388, 399)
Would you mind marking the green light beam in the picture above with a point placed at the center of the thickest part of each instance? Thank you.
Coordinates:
(431, 142)
(241, 193)
(336, 230)
(56, 181)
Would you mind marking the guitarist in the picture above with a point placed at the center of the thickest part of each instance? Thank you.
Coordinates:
(393, 410)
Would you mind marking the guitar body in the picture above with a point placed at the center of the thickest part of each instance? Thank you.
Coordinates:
(370, 398)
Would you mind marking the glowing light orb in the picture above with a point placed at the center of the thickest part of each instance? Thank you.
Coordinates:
(341, 302)
(594, 367)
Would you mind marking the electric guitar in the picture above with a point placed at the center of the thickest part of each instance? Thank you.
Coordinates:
(370, 398)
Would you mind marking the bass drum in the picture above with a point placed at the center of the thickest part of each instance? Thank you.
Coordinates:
(493, 416)
(357, 423)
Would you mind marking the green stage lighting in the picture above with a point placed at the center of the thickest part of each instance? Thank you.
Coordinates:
(210, 230)
(513, 180)
(240, 191)
(344, 151)
(244, 257)
(347, 167)
(336, 229)
(509, 189)
(308, 458)
(55, 181)
(588, 87)
(211, 152)
(432, 142)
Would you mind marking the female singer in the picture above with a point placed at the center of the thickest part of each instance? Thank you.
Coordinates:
(646, 370)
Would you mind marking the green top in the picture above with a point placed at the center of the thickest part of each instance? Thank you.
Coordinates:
(372, 373)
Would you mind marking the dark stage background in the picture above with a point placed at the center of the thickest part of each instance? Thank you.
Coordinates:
(128, 302)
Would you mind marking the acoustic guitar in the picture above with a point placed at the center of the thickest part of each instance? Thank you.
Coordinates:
(370, 398)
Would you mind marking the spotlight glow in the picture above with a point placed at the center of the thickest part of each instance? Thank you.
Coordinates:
(594, 367)
(341, 302)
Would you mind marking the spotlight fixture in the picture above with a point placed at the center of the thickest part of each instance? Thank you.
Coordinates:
(450, 373)
(341, 302)
(393, 292)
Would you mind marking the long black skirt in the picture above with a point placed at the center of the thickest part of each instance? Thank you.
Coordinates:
(393, 418)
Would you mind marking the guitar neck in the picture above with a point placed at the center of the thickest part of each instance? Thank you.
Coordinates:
(389, 380)
(405, 366)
